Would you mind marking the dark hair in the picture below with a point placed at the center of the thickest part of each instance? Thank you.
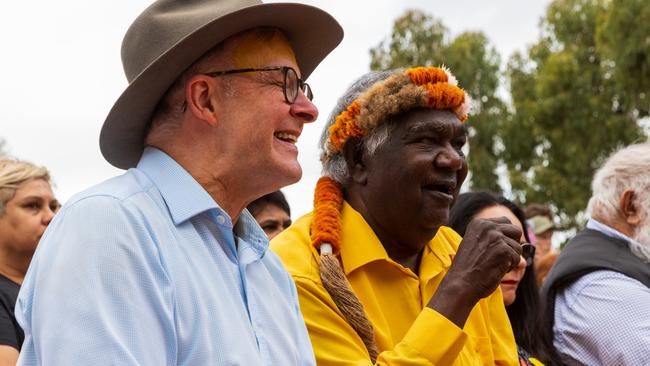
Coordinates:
(525, 312)
(274, 198)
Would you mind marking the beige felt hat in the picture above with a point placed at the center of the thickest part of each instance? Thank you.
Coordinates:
(540, 224)
(170, 35)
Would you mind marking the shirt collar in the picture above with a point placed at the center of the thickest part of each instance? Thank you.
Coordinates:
(182, 194)
(248, 230)
(439, 253)
(594, 224)
(362, 246)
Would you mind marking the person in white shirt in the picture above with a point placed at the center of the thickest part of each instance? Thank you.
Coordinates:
(598, 292)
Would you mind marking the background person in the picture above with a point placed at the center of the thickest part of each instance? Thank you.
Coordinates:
(543, 228)
(271, 212)
(520, 292)
(597, 293)
(538, 209)
(543, 266)
(373, 262)
(162, 265)
(27, 206)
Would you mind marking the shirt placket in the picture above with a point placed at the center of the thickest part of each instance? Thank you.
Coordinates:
(248, 258)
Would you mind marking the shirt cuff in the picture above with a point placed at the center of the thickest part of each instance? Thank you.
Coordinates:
(435, 337)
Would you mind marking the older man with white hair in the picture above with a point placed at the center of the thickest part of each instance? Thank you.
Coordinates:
(598, 293)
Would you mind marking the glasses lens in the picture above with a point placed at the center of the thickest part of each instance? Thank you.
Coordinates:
(307, 90)
(290, 85)
(528, 252)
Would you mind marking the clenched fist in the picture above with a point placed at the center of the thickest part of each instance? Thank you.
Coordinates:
(488, 251)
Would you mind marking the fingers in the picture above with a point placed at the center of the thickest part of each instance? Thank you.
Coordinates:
(507, 228)
(506, 236)
(507, 249)
(515, 253)
(490, 248)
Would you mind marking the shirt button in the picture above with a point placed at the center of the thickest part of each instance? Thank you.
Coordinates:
(221, 220)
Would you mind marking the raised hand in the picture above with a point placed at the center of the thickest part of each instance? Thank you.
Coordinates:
(488, 251)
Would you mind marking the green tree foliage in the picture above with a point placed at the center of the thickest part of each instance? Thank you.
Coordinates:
(569, 111)
(419, 39)
(623, 36)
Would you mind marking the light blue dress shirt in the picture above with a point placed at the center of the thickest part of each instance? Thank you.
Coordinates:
(604, 317)
(146, 269)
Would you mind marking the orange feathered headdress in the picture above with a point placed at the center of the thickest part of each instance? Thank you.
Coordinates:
(426, 87)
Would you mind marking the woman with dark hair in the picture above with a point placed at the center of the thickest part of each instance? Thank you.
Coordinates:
(518, 286)
(271, 212)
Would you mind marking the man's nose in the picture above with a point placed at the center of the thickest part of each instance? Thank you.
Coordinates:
(449, 158)
(304, 109)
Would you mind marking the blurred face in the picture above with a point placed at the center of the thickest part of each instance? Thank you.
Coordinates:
(261, 128)
(414, 177)
(543, 242)
(511, 280)
(26, 216)
(272, 219)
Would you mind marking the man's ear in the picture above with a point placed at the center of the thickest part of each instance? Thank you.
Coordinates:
(354, 159)
(200, 93)
(629, 208)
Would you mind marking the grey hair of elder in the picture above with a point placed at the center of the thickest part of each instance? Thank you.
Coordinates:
(336, 167)
(627, 168)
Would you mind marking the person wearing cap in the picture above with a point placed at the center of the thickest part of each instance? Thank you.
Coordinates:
(380, 279)
(163, 265)
(543, 229)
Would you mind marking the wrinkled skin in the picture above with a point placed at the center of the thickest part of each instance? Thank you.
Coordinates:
(404, 192)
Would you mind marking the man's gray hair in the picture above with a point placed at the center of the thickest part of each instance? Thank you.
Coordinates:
(336, 167)
(628, 168)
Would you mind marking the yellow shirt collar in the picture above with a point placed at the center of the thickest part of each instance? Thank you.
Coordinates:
(361, 246)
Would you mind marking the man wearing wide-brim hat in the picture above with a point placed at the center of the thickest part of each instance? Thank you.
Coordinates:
(163, 265)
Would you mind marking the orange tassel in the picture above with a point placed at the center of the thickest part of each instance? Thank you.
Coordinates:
(326, 223)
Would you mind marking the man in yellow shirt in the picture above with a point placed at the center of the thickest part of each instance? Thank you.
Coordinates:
(379, 278)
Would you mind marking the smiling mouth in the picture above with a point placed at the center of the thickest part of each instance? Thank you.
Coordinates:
(445, 188)
(286, 137)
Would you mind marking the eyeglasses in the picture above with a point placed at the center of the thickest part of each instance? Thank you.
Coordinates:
(291, 83)
(528, 252)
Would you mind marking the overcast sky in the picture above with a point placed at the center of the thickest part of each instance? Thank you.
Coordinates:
(60, 73)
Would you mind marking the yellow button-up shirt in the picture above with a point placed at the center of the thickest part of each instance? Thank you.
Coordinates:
(407, 332)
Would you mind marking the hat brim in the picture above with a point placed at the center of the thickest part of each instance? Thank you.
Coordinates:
(312, 33)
